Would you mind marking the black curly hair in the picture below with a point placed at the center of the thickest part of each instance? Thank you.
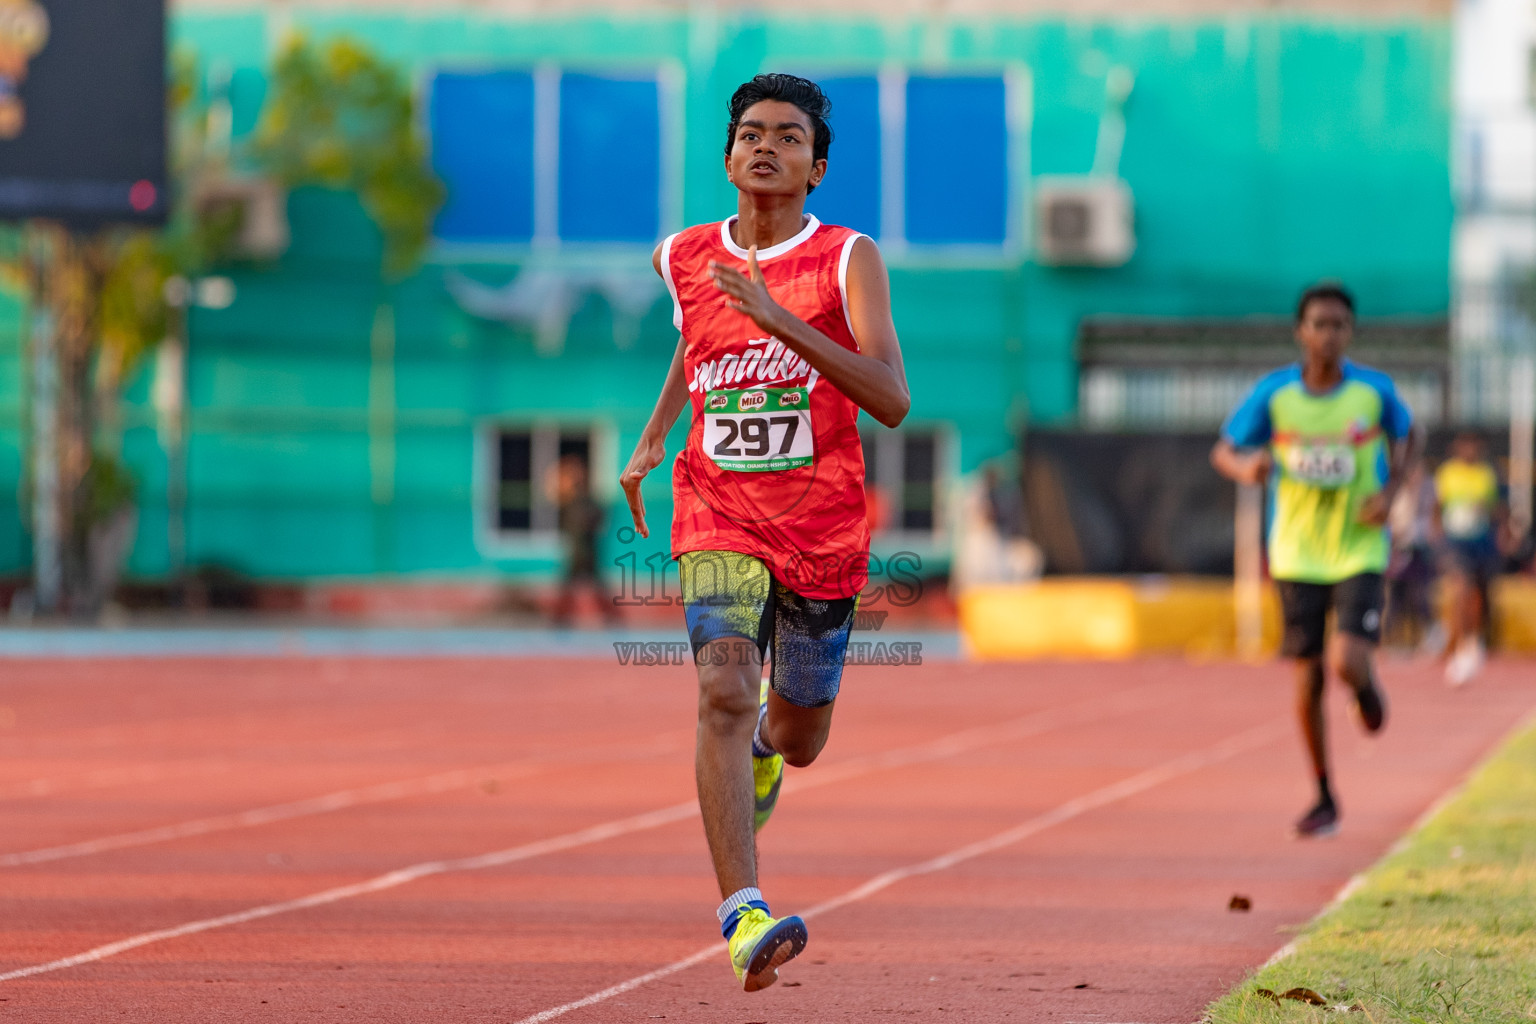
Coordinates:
(799, 92)
(1326, 291)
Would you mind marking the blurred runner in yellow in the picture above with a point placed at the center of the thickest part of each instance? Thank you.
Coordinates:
(1471, 516)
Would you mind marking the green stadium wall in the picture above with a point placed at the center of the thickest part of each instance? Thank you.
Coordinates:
(1263, 153)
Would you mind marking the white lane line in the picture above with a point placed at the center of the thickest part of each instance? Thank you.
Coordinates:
(103, 777)
(597, 833)
(1429, 814)
(438, 783)
(377, 741)
(1083, 712)
(1075, 808)
(341, 800)
(708, 952)
(947, 746)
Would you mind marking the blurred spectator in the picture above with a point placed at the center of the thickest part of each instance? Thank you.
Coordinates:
(990, 546)
(1471, 516)
(580, 520)
(1410, 621)
(1005, 502)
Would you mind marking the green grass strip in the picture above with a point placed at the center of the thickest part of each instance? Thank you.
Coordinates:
(1442, 930)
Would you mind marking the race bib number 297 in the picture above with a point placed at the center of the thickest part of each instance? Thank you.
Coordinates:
(759, 430)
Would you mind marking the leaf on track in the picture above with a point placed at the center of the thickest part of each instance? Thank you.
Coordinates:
(1240, 903)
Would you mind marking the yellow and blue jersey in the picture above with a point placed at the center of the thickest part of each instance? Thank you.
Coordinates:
(1469, 496)
(1331, 453)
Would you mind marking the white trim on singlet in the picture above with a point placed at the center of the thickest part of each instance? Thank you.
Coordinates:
(666, 275)
(842, 284)
(811, 224)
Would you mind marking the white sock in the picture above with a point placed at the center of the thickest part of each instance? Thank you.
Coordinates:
(760, 745)
(731, 909)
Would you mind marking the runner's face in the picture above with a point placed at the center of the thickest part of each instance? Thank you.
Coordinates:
(1325, 330)
(771, 154)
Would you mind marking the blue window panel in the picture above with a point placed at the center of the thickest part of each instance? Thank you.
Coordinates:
(957, 161)
(482, 149)
(850, 193)
(610, 159)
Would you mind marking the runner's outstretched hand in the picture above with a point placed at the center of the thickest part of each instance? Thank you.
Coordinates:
(748, 293)
(648, 455)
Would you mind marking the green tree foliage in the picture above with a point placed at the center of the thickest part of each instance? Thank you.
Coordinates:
(338, 116)
(134, 316)
(138, 263)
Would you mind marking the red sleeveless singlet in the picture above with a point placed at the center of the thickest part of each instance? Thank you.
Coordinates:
(773, 466)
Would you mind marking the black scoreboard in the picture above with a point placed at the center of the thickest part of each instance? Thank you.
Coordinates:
(82, 111)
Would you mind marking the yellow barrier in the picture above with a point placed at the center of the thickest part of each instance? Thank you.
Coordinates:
(1101, 617)
(1514, 614)
(1106, 618)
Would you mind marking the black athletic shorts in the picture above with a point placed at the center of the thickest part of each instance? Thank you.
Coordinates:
(1356, 605)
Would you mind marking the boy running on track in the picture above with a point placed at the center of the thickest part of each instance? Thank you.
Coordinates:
(1334, 441)
(786, 335)
(1472, 517)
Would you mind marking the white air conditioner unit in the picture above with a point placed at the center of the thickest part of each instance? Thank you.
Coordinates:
(1083, 221)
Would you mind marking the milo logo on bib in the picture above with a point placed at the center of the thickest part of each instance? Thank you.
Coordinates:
(762, 430)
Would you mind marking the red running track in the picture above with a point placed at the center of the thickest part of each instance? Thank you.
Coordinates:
(223, 839)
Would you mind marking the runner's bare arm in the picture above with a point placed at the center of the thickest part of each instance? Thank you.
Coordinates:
(652, 447)
(1404, 453)
(1244, 467)
(873, 377)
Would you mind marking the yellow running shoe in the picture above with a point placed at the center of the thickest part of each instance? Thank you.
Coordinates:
(767, 777)
(760, 945)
